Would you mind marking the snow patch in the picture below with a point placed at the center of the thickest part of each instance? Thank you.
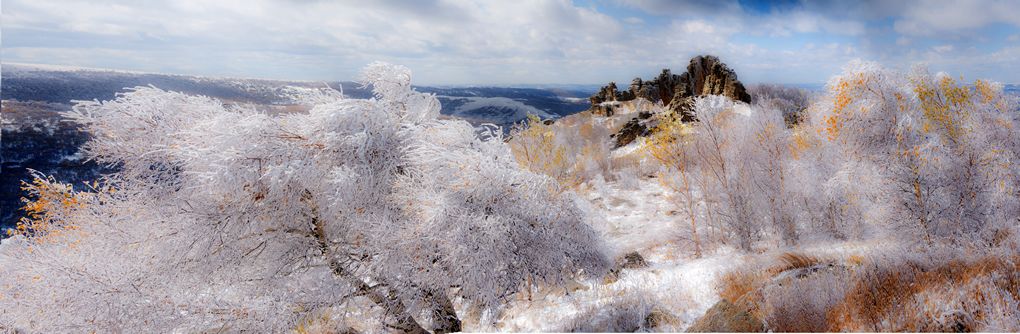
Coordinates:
(517, 110)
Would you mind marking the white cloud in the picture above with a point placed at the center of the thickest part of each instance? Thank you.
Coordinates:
(943, 48)
(485, 42)
(787, 23)
(447, 39)
(696, 27)
(935, 17)
(633, 20)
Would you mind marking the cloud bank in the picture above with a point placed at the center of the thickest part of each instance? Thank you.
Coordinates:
(512, 42)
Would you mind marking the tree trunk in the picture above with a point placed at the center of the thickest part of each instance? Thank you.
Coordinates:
(404, 322)
(444, 317)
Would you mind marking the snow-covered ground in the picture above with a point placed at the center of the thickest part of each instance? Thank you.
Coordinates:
(636, 213)
(507, 109)
(639, 217)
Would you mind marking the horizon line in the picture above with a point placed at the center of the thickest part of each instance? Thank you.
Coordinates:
(76, 68)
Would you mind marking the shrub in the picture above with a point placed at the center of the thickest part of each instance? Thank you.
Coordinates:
(230, 218)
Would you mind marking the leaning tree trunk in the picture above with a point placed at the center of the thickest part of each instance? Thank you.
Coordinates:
(404, 322)
(444, 317)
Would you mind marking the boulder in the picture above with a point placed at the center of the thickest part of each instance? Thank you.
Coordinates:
(633, 260)
(659, 317)
(726, 317)
(667, 84)
(607, 93)
(630, 131)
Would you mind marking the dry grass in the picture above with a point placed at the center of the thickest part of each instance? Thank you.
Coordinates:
(573, 150)
(800, 305)
(890, 293)
(733, 286)
(912, 297)
(744, 288)
(855, 260)
(792, 261)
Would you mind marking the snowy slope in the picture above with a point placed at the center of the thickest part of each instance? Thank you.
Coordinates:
(495, 109)
(638, 217)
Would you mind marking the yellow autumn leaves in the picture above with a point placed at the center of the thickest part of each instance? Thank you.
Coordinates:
(48, 204)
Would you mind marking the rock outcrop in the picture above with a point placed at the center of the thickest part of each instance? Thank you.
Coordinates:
(634, 128)
(602, 102)
(705, 75)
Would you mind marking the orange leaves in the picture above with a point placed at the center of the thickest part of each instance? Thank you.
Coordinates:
(935, 105)
(944, 105)
(799, 143)
(47, 207)
(847, 91)
(991, 95)
(843, 96)
(985, 91)
(833, 126)
(767, 133)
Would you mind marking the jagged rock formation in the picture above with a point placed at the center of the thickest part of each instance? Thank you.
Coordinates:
(642, 89)
(634, 128)
(705, 75)
(608, 93)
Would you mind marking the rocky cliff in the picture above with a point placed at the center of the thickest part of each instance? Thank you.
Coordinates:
(705, 75)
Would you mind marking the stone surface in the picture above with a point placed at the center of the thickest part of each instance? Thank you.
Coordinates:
(659, 317)
(726, 317)
(633, 260)
(633, 129)
(705, 75)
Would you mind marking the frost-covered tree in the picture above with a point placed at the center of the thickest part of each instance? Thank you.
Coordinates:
(222, 217)
(881, 151)
(743, 154)
(789, 101)
(766, 147)
(671, 145)
(918, 152)
(725, 173)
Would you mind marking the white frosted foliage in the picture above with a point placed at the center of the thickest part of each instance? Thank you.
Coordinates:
(224, 217)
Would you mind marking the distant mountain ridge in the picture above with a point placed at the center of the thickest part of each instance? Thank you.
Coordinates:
(62, 84)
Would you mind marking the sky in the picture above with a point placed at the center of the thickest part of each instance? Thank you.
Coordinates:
(514, 42)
